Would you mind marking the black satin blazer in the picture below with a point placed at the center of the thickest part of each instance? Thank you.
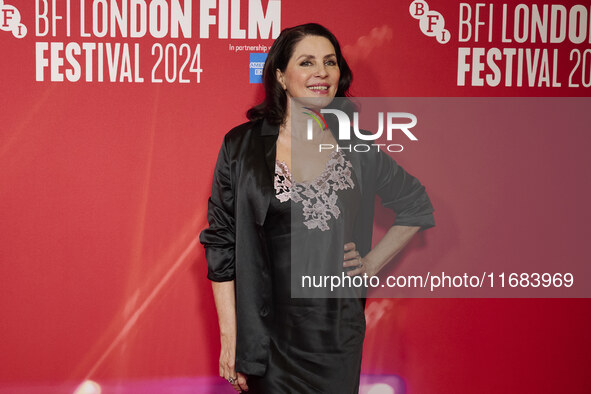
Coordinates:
(235, 245)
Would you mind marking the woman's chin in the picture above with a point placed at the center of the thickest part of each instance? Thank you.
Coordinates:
(314, 102)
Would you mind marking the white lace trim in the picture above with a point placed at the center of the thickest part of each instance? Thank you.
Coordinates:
(318, 196)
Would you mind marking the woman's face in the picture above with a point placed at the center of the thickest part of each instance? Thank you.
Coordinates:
(312, 70)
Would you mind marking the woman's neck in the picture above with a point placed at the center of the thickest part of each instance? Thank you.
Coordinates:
(299, 121)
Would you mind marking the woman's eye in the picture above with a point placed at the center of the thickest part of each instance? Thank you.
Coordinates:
(305, 63)
(330, 63)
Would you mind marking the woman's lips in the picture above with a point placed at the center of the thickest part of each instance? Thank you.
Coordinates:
(319, 89)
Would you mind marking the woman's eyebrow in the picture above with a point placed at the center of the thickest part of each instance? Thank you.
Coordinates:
(306, 57)
(313, 57)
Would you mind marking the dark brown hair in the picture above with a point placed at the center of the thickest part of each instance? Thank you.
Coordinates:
(273, 107)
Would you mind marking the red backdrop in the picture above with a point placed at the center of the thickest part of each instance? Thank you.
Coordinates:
(103, 191)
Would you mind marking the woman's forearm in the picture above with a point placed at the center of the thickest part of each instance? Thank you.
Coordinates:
(225, 303)
(389, 246)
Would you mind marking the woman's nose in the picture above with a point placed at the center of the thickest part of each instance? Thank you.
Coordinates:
(321, 71)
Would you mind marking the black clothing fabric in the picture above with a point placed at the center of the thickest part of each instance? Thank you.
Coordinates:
(236, 242)
(316, 343)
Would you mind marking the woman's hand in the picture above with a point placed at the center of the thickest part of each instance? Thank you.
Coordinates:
(227, 367)
(354, 259)
(389, 246)
(225, 303)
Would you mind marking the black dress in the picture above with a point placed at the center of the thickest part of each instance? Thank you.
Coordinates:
(316, 341)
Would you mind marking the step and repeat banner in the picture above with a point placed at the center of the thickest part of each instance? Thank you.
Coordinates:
(112, 113)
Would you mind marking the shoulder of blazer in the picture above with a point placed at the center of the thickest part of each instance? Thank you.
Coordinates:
(244, 131)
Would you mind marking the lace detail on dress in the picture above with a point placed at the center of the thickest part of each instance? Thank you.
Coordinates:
(282, 181)
(318, 197)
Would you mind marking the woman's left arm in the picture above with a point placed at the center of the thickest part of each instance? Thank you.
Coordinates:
(389, 246)
(406, 196)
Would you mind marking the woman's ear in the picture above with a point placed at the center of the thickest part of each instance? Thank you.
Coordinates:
(280, 78)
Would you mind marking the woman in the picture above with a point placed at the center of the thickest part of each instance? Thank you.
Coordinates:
(271, 342)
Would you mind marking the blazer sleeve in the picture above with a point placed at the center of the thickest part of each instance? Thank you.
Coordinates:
(219, 238)
(403, 193)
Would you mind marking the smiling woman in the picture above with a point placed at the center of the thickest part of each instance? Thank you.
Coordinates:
(312, 70)
(312, 44)
(273, 219)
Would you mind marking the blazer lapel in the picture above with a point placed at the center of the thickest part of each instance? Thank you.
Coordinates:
(267, 143)
(269, 134)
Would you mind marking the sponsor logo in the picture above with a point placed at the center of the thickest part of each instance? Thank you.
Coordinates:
(257, 62)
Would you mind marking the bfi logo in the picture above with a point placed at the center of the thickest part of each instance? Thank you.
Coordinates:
(10, 20)
(431, 22)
